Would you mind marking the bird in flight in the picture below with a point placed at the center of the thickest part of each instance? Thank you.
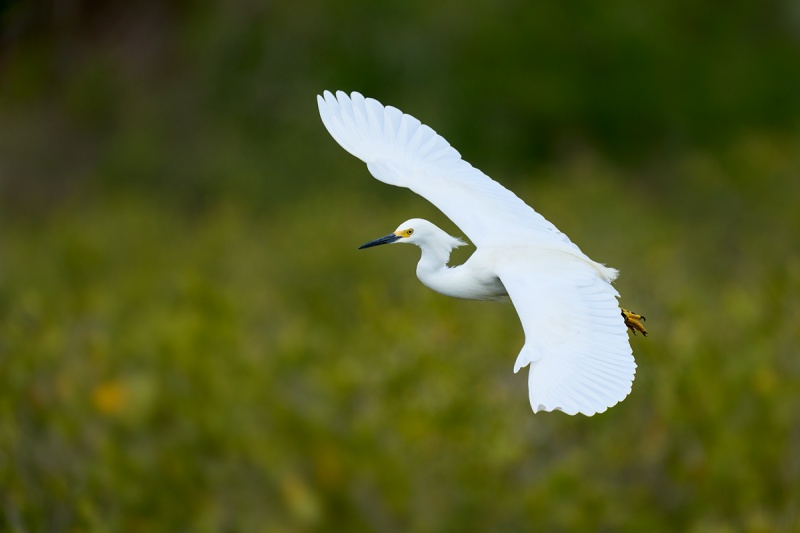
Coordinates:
(575, 332)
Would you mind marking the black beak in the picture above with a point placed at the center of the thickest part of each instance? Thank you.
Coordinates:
(383, 240)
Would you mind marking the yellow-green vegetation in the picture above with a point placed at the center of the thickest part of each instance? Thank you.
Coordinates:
(232, 369)
(191, 341)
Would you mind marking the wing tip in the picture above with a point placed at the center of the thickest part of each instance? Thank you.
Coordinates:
(364, 125)
(572, 410)
(589, 390)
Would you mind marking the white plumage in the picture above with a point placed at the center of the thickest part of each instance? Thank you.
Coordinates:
(576, 341)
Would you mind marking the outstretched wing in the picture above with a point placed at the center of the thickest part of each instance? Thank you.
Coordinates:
(575, 338)
(399, 150)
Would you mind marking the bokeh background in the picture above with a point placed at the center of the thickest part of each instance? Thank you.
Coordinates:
(190, 341)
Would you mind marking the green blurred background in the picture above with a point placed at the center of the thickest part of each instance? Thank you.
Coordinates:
(190, 341)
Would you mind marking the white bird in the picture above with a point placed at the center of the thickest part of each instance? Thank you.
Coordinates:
(575, 333)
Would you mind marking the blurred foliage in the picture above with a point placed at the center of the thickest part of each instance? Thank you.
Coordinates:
(189, 339)
(198, 100)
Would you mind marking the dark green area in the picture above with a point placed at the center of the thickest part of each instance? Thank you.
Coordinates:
(190, 341)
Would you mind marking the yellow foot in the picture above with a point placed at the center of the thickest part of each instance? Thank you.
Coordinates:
(634, 322)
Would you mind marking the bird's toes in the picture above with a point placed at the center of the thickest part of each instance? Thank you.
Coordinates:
(632, 320)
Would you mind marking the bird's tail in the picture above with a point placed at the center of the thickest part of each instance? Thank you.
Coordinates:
(607, 273)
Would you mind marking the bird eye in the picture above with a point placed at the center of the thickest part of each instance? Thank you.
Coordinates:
(410, 231)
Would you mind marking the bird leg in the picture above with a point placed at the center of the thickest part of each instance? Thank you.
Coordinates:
(634, 322)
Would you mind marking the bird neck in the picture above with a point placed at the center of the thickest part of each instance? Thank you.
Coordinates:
(433, 272)
(434, 258)
(432, 269)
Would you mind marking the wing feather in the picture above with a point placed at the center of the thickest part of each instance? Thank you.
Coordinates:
(578, 362)
(402, 151)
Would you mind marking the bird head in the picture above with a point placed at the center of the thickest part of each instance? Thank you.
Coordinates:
(417, 231)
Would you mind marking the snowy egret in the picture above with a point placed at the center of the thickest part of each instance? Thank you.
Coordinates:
(575, 333)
